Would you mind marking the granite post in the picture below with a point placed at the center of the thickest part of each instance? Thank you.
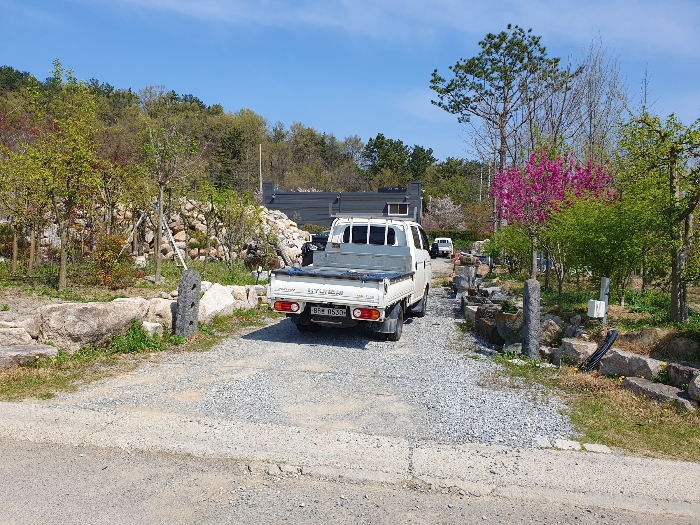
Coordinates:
(531, 319)
(188, 292)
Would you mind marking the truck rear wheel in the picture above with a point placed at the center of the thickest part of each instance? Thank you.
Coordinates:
(396, 335)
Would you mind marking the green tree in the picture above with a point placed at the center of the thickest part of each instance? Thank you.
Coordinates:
(495, 86)
(512, 245)
(12, 79)
(168, 157)
(240, 219)
(606, 237)
(659, 161)
(390, 162)
(66, 152)
(229, 156)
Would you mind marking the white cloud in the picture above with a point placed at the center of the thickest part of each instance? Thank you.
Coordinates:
(646, 25)
(416, 102)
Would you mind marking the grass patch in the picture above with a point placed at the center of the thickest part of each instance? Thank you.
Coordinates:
(66, 373)
(44, 280)
(575, 300)
(602, 411)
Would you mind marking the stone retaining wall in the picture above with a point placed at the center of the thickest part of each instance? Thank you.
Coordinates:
(71, 326)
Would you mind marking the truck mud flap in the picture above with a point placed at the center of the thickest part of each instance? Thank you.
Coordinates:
(389, 324)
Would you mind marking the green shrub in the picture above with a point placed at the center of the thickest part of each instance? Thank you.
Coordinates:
(313, 228)
(135, 341)
(111, 268)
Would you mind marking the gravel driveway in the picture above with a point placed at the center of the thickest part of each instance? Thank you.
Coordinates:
(434, 384)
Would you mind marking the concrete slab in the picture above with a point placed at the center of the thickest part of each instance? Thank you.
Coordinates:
(638, 484)
(595, 447)
(566, 444)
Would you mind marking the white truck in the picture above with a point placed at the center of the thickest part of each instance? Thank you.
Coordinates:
(373, 270)
(445, 246)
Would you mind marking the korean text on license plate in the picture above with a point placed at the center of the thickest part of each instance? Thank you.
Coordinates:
(332, 312)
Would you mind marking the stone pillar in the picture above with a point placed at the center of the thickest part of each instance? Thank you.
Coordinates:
(188, 291)
(531, 319)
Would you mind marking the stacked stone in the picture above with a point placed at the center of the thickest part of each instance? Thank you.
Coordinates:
(190, 222)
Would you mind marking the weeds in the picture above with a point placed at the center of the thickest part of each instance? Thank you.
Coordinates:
(602, 411)
(135, 341)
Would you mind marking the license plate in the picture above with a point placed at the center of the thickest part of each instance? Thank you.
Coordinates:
(332, 312)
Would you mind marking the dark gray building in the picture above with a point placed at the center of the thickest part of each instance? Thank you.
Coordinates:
(320, 207)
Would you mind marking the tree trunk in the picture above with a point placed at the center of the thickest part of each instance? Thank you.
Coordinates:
(110, 218)
(560, 282)
(159, 234)
(533, 261)
(134, 236)
(32, 250)
(39, 235)
(15, 249)
(546, 270)
(207, 248)
(62, 271)
(679, 261)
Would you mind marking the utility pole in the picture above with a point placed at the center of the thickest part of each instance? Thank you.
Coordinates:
(260, 165)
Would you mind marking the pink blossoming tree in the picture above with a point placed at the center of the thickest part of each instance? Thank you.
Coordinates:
(529, 195)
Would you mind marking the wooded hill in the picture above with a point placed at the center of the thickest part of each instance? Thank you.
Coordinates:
(225, 146)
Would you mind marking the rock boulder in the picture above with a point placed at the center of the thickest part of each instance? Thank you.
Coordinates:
(510, 326)
(550, 331)
(575, 351)
(71, 326)
(161, 311)
(14, 355)
(627, 364)
(682, 373)
(217, 301)
(660, 392)
(694, 388)
(488, 330)
(682, 347)
(14, 336)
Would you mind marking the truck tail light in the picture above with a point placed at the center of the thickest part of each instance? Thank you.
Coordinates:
(365, 313)
(286, 306)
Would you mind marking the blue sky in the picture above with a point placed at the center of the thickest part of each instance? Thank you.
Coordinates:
(347, 67)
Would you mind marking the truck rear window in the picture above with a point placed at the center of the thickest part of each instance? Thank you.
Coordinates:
(376, 235)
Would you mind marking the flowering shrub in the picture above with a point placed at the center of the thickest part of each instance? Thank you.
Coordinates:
(527, 196)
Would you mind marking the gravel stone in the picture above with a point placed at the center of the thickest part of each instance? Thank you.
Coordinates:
(436, 383)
